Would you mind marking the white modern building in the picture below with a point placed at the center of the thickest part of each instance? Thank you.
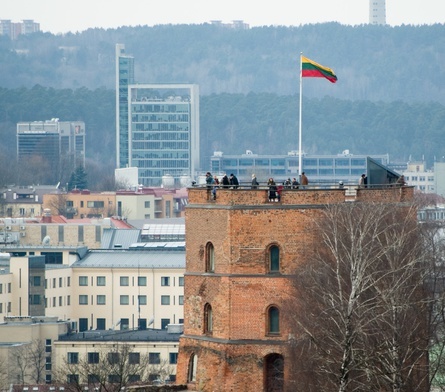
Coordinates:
(377, 12)
(439, 172)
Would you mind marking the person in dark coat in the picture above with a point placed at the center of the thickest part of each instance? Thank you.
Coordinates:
(233, 181)
(210, 182)
(272, 189)
(295, 183)
(225, 181)
(255, 182)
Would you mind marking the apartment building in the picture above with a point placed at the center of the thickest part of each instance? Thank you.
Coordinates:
(23, 201)
(141, 203)
(151, 356)
(419, 177)
(110, 292)
(14, 29)
(22, 336)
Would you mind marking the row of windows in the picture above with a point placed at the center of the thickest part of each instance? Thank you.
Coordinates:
(273, 258)
(174, 163)
(124, 323)
(160, 155)
(307, 162)
(272, 320)
(160, 145)
(7, 307)
(420, 178)
(7, 287)
(125, 280)
(160, 131)
(134, 358)
(159, 118)
(162, 108)
(125, 300)
(112, 378)
(37, 281)
(52, 302)
(90, 204)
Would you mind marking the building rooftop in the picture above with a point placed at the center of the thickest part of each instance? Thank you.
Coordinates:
(119, 239)
(167, 258)
(147, 335)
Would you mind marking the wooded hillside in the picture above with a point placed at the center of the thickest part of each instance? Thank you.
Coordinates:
(371, 62)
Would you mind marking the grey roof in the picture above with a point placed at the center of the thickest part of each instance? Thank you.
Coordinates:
(158, 245)
(163, 228)
(14, 248)
(122, 238)
(139, 223)
(151, 335)
(133, 259)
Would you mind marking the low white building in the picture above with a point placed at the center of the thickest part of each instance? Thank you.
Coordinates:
(418, 176)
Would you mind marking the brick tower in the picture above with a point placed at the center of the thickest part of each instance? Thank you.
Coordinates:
(241, 253)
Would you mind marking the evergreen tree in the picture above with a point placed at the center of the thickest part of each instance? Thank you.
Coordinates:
(78, 179)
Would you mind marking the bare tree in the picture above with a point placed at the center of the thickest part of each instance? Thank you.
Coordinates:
(36, 355)
(4, 373)
(362, 311)
(109, 369)
(58, 203)
(19, 366)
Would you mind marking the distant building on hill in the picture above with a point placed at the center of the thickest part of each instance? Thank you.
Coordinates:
(235, 24)
(60, 143)
(377, 12)
(13, 30)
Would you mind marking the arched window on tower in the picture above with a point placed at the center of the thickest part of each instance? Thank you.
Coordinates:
(193, 363)
(274, 373)
(208, 319)
(274, 258)
(210, 257)
(273, 320)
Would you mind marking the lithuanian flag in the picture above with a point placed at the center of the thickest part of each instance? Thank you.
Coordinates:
(311, 69)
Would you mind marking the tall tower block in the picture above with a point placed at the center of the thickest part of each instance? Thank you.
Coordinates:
(242, 252)
(377, 12)
(124, 77)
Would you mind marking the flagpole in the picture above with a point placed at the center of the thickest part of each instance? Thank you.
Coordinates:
(300, 160)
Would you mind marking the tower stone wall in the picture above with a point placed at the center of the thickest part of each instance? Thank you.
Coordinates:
(238, 229)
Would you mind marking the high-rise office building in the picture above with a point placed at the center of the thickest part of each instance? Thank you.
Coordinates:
(60, 143)
(377, 12)
(157, 127)
(124, 77)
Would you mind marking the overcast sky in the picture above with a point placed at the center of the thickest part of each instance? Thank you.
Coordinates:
(61, 16)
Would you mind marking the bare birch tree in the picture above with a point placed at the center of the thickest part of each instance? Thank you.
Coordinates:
(361, 313)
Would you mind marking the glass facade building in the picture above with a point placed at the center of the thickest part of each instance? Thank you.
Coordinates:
(319, 168)
(164, 131)
(60, 143)
(124, 77)
(157, 127)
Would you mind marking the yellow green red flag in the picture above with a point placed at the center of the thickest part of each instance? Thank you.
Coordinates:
(311, 69)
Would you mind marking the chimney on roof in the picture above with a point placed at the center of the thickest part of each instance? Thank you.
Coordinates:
(47, 218)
